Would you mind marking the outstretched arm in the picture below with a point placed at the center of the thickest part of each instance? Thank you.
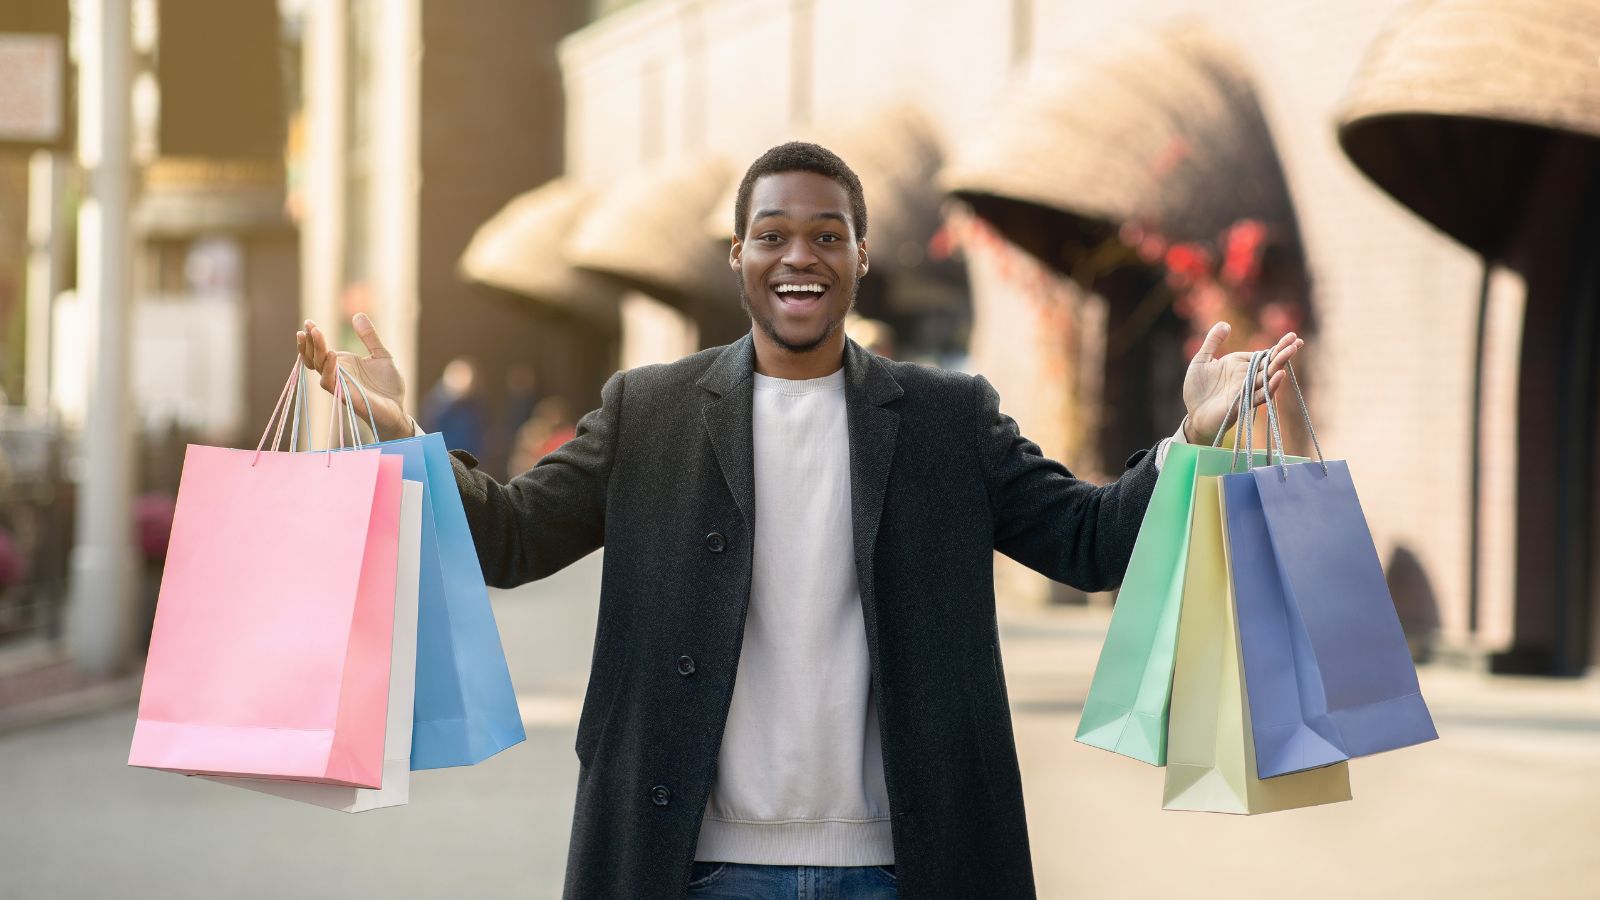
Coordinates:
(551, 515)
(1079, 533)
(1048, 519)
(539, 522)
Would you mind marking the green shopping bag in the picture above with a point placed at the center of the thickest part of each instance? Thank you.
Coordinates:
(1126, 710)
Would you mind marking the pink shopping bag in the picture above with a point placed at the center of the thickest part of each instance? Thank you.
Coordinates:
(270, 652)
(396, 790)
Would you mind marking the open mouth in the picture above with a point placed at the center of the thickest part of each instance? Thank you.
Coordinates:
(800, 297)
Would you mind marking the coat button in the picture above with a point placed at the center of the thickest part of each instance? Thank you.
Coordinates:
(715, 542)
(685, 666)
(660, 796)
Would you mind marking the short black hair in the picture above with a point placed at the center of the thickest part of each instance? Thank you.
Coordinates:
(799, 156)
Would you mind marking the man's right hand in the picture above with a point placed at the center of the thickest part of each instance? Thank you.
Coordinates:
(376, 372)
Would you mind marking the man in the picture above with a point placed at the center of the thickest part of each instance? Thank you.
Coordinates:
(796, 686)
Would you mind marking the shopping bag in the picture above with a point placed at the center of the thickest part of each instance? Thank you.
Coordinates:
(270, 650)
(466, 707)
(1126, 708)
(396, 787)
(1211, 763)
(1288, 706)
(1334, 586)
(1288, 713)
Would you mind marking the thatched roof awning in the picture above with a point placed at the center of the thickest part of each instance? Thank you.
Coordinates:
(647, 232)
(519, 250)
(1162, 128)
(896, 154)
(1458, 102)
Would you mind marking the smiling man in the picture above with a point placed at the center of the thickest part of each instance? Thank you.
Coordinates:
(796, 688)
(799, 251)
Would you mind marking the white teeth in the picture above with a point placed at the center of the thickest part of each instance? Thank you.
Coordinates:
(791, 288)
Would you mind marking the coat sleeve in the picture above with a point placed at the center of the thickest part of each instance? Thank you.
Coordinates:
(551, 515)
(1047, 519)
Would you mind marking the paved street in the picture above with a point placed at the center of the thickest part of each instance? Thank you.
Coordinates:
(1507, 804)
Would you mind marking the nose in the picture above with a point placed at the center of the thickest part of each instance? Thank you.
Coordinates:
(799, 255)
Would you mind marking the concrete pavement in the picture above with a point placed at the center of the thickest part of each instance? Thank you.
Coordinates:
(1506, 804)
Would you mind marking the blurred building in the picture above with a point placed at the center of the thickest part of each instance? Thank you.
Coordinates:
(418, 121)
(1074, 133)
(1483, 119)
(288, 159)
(1063, 196)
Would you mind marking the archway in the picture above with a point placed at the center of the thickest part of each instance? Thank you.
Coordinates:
(1558, 471)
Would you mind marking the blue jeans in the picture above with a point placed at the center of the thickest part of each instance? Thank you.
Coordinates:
(740, 881)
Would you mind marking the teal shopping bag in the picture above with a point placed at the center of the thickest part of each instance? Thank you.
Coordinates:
(1126, 710)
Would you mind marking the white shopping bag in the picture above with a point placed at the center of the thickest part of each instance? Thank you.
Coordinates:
(396, 788)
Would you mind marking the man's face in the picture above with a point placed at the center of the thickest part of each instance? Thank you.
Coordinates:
(799, 261)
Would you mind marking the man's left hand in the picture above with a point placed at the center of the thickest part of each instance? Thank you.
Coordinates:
(1211, 387)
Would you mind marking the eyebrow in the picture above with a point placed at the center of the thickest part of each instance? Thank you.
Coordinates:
(766, 213)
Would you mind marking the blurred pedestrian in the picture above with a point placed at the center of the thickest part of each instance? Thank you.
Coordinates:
(522, 396)
(550, 426)
(796, 662)
(453, 408)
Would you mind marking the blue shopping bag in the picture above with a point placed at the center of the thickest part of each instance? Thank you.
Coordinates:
(466, 709)
(1288, 704)
(1352, 672)
(1288, 709)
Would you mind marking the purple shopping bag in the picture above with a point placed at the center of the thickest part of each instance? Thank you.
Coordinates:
(1288, 709)
(1351, 669)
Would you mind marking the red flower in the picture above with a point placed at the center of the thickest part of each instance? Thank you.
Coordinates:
(942, 245)
(1152, 249)
(1209, 301)
(1242, 259)
(1187, 263)
(1279, 318)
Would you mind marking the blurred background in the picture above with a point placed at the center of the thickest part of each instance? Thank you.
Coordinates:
(526, 195)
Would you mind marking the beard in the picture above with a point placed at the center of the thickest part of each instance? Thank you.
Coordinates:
(771, 330)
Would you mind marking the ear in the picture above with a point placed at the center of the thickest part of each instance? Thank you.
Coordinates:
(734, 251)
(861, 261)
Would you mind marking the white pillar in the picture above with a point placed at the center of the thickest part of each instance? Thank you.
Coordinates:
(47, 258)
(395, 186)
(104, 576)
(322, 232)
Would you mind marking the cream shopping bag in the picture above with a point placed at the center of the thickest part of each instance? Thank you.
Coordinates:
(1211, 764)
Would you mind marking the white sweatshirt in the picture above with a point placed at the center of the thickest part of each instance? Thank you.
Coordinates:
(799, 777)
(800, 774)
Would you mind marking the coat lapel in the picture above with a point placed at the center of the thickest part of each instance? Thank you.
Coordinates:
(868, 385)
(727, 421)
(873, 429)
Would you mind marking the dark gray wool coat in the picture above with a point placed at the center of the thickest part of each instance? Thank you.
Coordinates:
(661, 475)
